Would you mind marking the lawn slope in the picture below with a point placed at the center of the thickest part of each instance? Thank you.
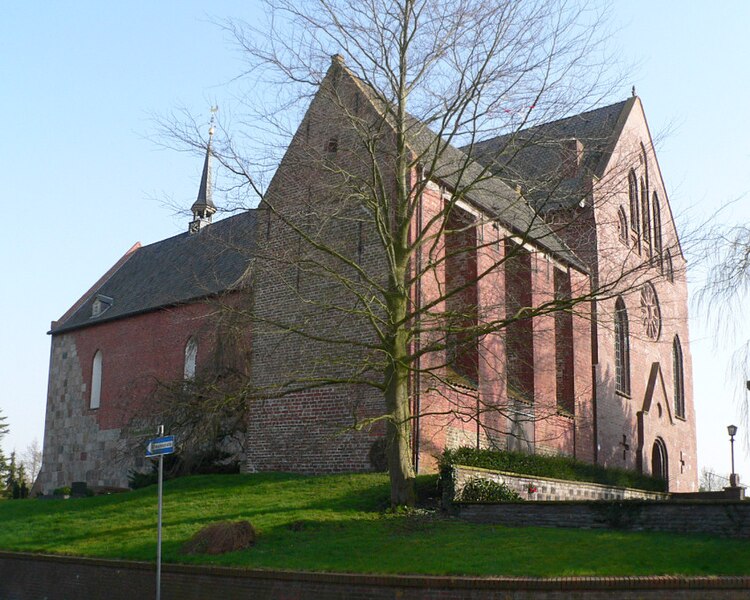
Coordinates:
(338, 523)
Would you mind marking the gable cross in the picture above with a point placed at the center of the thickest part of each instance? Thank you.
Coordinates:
(625, 447)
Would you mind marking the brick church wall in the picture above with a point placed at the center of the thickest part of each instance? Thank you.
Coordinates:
(450, 412)
(633, 265)
(304, 423)
(84, 444)
(319, 424)
(308, 329)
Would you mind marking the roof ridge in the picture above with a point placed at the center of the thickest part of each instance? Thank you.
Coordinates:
(171, 271)
(471, 161)
(561, 119)
(185, 233)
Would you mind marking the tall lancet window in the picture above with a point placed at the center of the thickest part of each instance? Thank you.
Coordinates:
(635, 221)
(622, 349)
(191, 355)
(657, 225)
(96, 380)
(679, 378)
(645, 213)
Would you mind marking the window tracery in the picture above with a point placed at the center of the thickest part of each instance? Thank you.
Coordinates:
(650, 312)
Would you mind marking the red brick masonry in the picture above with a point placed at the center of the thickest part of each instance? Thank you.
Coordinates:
(36, 577)
(728, 518)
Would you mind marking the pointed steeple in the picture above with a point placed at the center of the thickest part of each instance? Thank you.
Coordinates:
(203, 207)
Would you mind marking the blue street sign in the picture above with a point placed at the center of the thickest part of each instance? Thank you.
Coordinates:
(159, 446)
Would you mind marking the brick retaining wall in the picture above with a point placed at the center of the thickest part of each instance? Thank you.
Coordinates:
(717, 517)
(37, 577)
(548, 488)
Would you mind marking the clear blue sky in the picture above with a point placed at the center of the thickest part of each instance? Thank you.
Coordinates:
(82, 181)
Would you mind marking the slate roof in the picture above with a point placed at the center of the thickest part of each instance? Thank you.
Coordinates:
(533, 158)
(187, 267)
(173, 271)
(478, 183)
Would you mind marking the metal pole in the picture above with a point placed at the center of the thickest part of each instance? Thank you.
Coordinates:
(158, 532)
(158, 524)
(733, 478)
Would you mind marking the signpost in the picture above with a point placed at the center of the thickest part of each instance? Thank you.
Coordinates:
(159, 447)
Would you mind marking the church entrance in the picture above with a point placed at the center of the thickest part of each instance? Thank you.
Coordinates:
(659, 460)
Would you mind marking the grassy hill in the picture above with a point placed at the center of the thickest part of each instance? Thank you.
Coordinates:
(338, 523)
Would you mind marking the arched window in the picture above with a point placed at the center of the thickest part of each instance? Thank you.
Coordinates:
(645, 213)
(191, 355)
(622, 225)
(622, 349)
(657, 225)
(633, 195)
(96, 380)
(679, 378)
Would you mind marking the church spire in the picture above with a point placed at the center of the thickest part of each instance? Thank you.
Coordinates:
(203, 207)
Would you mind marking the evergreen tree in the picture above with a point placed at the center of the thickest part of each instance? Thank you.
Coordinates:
(4, 429)
(11, 475)
(3, 472)
(20, 486)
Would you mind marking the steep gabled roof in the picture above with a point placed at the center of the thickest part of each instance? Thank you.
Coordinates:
(460, 171)
(173, 271)
(535, 158)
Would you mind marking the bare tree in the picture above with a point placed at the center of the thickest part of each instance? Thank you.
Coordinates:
(31, 459)
(385, 256)
(710, 481)
(724, 294)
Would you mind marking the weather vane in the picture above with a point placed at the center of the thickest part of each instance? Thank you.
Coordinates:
(214, 110)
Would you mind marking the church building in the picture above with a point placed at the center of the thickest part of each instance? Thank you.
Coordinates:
(547, 305)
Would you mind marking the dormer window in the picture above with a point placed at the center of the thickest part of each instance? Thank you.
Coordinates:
(100, 305)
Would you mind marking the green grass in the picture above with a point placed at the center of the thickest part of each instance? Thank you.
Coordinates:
(337, 523)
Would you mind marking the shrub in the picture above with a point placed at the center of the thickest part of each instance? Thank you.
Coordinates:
(558, 467)
(427, 489)
(220, 538)
(486, 490)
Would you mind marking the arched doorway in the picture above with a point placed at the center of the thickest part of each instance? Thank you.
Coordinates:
(659, 464)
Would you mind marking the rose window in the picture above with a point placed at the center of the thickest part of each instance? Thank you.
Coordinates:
(650, 314)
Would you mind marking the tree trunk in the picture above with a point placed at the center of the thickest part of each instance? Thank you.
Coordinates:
(398, 432)
(398, 443)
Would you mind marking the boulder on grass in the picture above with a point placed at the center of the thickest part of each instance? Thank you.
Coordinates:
(219, 538)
